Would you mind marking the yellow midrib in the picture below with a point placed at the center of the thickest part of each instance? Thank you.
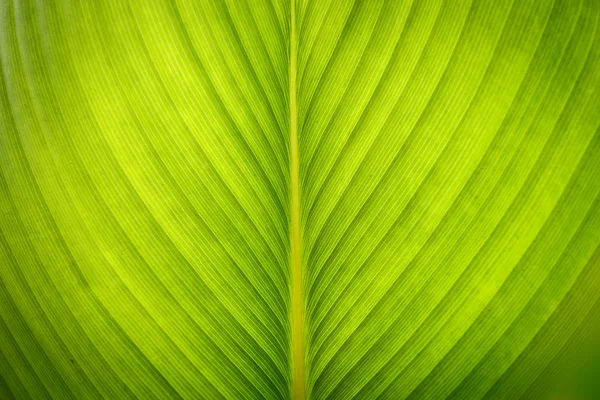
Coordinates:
(298, 379)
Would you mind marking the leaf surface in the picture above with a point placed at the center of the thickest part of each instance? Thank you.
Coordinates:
(308, 199)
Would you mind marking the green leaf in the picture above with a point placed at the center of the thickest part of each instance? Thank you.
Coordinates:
(299, 199)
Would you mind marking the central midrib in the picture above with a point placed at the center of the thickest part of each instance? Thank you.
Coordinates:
(298, 379)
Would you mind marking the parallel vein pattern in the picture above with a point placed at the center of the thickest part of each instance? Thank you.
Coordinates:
(450, 186)
(271, 199)
(144, 174)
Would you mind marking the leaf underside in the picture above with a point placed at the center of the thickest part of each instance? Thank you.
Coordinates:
(448, 185)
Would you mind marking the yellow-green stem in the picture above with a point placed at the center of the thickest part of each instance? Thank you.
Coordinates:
(298, 378)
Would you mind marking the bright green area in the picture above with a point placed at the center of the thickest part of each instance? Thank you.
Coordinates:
(449, 198)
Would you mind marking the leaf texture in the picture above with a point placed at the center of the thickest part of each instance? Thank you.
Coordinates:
(145, 199)
(198, 198)
(450, 191)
